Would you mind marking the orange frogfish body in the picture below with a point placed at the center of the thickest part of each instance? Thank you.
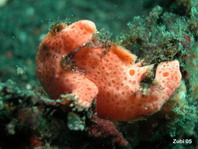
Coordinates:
(68, 62)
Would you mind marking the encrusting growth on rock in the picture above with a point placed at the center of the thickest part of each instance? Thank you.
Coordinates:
(70, 62)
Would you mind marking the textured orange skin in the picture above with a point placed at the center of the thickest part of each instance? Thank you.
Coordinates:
(113, 79)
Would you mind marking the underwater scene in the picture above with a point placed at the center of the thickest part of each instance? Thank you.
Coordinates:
(99, 74)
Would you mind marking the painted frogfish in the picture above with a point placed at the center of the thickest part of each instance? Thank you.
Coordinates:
(71, 60)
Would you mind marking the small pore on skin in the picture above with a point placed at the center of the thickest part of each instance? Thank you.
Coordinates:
(44, 47)
(89, 89)
(132, 72)
(165, 74)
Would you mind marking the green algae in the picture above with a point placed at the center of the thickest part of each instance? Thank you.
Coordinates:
(158, 37)
(75, 122)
